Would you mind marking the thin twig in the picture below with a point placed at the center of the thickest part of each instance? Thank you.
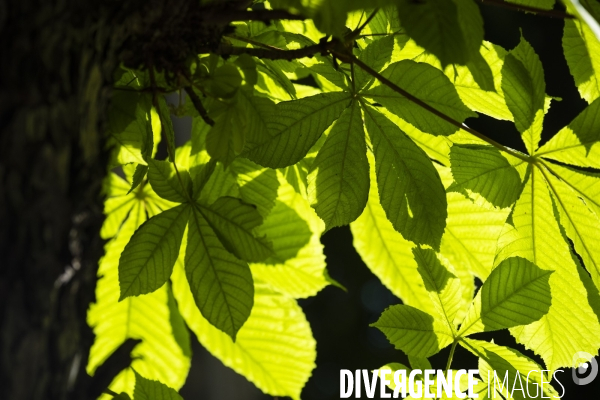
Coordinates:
(355, 33)
(254, 15)
(199, 106)
(535, 10)
(170, 149)
(253, 42)
(110, 392)
(434, 111)
(369, 19)
(225, 49)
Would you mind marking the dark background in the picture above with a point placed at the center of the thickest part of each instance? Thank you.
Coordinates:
(340, 320)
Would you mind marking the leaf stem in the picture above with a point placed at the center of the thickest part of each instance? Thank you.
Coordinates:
(169, 148)
(110, 392)
(198, 105)
(253, 42)
(436, 112)
(357, 31)
(451, 356)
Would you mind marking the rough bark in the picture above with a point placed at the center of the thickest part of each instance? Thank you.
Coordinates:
(56, 67)
(55, 70)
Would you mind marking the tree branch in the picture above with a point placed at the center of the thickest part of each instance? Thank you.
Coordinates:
(535, 10)
(226, 49)
(434, 111)
(115, 363)
(198, 105)
(255, 15)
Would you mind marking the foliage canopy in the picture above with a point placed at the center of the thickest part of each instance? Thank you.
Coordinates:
(350, 113)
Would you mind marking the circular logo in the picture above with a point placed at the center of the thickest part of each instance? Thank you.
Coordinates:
(585, 368)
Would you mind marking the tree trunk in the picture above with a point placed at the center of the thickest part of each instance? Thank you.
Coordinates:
(56, 70)
(56, 65)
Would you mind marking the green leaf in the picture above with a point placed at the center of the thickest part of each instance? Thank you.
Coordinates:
(248, 67)
(258, 186)
(338, 181)
(149, 318)
(295, 126)
(376, 55)
(147, 261)
(410, 189)
(200, 176)
(274, 82)
(524, 90)
(165, 182)
(297, 268)
(138, 176)
(387, 254)
(472, 84)
(330, 16)
(481, 72)
(571, 324)
(116, 206)
(234, 221)
(427, 84)
(472, 230)
(329, 78)
(516, 293)
(181, 334)
(258, 111)
(226, 80)
(451, 30)
(577, 143)
(146, 389)
(274, 350)
(443, 286)
(226, 139)
(129, 127)
(578, 203)
(582, 51)
(221, 284)
(167, 125)
(412, 331)
(500, 360)
(484, 170)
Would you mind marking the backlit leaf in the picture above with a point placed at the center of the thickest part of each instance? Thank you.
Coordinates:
(410, 189)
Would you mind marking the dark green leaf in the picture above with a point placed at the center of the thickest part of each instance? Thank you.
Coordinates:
(138, 176)
(411, 330)
(165, 182)
(516, 293)
(226, 139)
(338, 182)
(452, 30)
(410, 189)
(295, 126)
(201, 174)
(376, 55)
(148, 259)
(220, 283)
(146, 389)
(428, 84)
(167, 124)
(484, 170)
(234, 221)
(524, 90)
(226, 80)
